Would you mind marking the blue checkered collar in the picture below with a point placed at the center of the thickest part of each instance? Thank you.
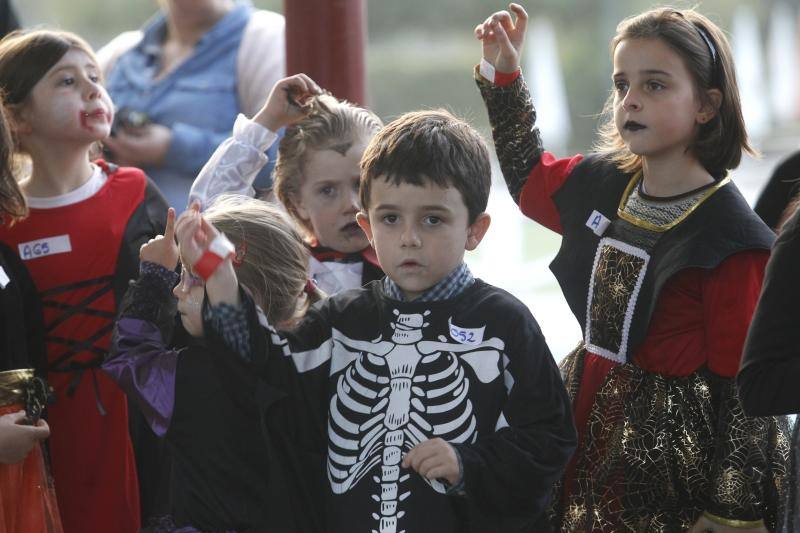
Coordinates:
(449, 287)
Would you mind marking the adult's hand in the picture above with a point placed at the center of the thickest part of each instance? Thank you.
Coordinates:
(145, 146)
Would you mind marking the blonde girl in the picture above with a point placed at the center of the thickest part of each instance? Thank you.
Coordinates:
(316, 174)
(226, 472)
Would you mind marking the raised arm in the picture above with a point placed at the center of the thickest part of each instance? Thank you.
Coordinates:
(531, 174)
(234, 165)
(139, 359)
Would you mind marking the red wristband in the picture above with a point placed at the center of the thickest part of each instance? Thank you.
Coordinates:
(219, 250)
(501, 79)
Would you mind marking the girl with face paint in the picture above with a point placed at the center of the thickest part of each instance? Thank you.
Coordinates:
(223, 476)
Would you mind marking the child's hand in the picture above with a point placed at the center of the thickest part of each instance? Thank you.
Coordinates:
(162, 250)
(194, 234)
(434, 459)
(503, 38)
(17, 439)
(140, 147)
(287, 102)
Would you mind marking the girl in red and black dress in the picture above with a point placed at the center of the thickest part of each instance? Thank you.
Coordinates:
(27, 497)
(80, 244)
(661, 262)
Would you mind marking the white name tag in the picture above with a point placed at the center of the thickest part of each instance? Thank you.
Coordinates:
(466, 335)
(44, 247)
(597, 223)
(4, 279)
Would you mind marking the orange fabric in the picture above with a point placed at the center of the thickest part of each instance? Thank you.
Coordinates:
(27, 498)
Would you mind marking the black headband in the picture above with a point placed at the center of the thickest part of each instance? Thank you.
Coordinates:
(709, 44)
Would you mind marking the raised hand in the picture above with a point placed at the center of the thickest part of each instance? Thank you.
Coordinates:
(162, 249)
(502, 38)
(194, 234)
(287, 102)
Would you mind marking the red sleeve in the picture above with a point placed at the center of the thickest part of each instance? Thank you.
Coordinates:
(545, 179)
(730, 294)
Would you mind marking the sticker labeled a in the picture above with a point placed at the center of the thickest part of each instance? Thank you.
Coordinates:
(44, 247)
(597, 223)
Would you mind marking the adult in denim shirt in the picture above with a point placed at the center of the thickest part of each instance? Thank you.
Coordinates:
(192, 69)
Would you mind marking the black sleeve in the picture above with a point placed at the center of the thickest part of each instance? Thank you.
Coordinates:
(509, 475)
(22, 323)
(782, 186)
(516, 138)
(270, 378)
(770, 372)
(148, 220)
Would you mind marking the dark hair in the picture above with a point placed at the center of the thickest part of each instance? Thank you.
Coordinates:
(26, 56)
(707, 55)
(430, 146)
(12, 201)
(330, 125)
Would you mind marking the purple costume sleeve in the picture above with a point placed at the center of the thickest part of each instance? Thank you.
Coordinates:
(138, 359)
(145, 369)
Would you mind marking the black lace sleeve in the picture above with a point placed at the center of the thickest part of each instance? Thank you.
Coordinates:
(150, 298)
(516, 138)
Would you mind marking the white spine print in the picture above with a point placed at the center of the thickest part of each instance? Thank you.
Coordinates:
(374, 420)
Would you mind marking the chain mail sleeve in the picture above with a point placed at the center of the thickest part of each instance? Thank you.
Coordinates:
(516, 138)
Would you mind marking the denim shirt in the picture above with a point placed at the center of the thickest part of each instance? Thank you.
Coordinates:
(198, 100)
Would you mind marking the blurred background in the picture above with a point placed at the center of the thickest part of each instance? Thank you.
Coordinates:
(420, 54)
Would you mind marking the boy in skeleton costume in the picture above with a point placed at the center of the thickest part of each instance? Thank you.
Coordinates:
(429, 399)
(663, 283)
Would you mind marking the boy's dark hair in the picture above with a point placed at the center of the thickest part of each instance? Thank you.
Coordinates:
(720, 142)
(429, 146)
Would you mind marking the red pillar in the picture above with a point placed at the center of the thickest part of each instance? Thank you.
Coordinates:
(325, 39)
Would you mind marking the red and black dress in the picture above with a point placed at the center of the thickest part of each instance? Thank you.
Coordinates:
(664, 289)
(81, 249)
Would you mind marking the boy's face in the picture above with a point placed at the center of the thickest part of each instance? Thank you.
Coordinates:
(419, 233)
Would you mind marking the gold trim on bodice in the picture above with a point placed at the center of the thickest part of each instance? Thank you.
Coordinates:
(646, 224)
